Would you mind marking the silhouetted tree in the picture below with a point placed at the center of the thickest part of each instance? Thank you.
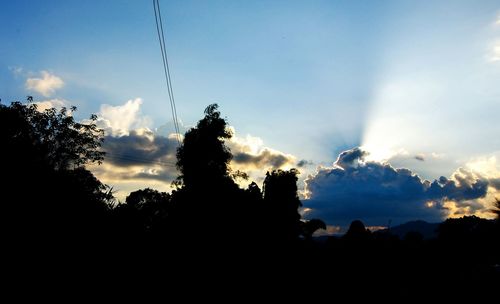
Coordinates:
(464, 229)
(357, 231)
(207, 196)
(254, 193)
(310, 226)
(145, 211)
(281, 204)
(203, 157)
(48, 191)
(413, 237)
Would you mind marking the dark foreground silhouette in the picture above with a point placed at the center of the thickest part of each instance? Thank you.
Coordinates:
(209, 234)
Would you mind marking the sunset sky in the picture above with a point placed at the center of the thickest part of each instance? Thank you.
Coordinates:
(390, 109)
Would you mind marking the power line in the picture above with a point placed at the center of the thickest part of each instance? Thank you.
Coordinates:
(166, 68)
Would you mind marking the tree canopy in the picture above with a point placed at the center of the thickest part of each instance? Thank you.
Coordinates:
(203, 158)
(47, 152)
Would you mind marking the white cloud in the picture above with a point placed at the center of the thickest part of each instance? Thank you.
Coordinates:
(119, 120)
(52, 103)
(250, 155)
(46, 85)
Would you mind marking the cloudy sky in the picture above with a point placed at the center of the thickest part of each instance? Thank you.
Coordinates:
(388, 108)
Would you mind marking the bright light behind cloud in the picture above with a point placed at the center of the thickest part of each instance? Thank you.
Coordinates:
(437, 96)
(46, 85)
(399, 118)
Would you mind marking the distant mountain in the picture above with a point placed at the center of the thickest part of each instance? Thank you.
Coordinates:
(428, 230)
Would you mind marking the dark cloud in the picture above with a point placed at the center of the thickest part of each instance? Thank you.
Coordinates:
(420, 157)
(350, 158)
(146, 173)
(140, 155)
(265, 158)
(495, 183)
(139, 149)
(377, 192)
(302, 163)
(161, 174)
(464, 186)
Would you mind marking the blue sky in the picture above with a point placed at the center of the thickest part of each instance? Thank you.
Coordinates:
(307, 78)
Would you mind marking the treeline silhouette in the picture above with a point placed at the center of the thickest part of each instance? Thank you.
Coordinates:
(57, 214)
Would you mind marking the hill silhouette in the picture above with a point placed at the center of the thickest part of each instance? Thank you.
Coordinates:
(425, 229)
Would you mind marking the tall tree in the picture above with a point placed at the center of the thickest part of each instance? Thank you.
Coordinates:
(208, 202)
(281, 203)
(204, 158)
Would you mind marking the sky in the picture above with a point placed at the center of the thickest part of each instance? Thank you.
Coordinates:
(406, 90)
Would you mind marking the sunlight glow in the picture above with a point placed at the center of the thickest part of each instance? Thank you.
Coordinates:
(397, 119)
(495, 52)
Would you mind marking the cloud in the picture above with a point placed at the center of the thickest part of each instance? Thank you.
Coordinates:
(119, 120)
(142, 158)
(485, 168)
(125, 179)
(265, 158)
(375, 192)
(350, 158)
(140, 147)
(139, 157)
(250, 155)
(495, 183)
(330, 230)
(52, 103)
(136, 156)
(420, 157)
(303, 163)
(46, 85)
